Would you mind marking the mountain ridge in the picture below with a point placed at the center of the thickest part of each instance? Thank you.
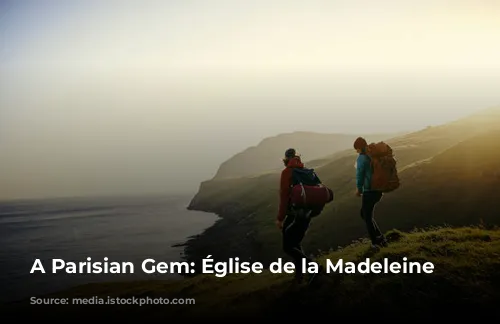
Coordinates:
(266, 155)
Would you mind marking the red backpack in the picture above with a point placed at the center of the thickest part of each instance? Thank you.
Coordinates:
(385, 176)
(307, 190)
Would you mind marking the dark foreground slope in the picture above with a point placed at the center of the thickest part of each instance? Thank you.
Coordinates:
(449, 174)
(465, 284)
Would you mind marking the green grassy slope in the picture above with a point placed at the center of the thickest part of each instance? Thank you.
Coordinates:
(466, 281)
(457, 186)
(437, 187)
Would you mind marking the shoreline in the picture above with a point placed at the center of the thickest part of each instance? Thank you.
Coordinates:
(240, 239)
(115, 243)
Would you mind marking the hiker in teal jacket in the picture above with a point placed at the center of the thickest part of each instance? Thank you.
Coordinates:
(363, 173)
(369, 197)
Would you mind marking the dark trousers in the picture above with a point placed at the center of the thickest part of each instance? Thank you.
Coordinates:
(367, 212)
(295, 226)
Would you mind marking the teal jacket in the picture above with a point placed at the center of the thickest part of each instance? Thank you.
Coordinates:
(363, 173)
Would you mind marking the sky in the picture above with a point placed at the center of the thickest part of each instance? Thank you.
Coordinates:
(103, 97)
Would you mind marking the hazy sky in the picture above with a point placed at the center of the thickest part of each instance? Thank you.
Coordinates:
(122, 96)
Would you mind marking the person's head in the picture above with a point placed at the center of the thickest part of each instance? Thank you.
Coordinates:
(289, 154)
(360, 144)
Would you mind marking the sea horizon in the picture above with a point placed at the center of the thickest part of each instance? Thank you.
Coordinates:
(120, 227)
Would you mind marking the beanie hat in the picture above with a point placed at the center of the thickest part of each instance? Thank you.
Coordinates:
(360, 143)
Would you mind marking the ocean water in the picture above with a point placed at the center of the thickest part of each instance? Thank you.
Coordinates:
(119, 228)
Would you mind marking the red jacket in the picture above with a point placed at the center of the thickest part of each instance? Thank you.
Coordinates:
(285, 185)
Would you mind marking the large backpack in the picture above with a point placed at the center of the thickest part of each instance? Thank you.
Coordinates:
(385, 173)
(307, 190)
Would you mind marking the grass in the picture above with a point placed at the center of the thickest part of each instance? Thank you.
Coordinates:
(466, 281)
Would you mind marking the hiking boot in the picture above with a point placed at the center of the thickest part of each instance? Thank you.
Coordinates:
(383, 243)
(298, 278)
(321, 270)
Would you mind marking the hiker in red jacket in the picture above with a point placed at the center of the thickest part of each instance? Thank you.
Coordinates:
(291, 160)
(292, 222)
